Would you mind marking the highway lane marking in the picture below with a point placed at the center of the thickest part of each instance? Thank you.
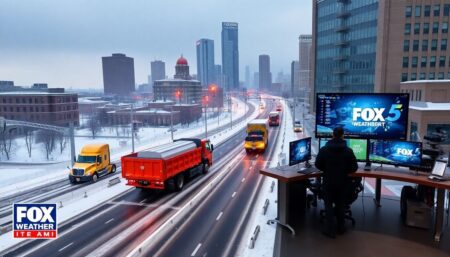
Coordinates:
(243, 179)
(109, 221)
(143, 204)
(232, 196)
(220, 215)
(62, 249)
(196, 249)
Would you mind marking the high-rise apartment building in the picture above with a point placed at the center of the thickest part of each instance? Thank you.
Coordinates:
(118, 75)
(230, 55)
(158, 70)
(205, 61)
(344, 45)
(304, 69)
(412, 43)
(265, 78)
(295, 76)
(247, 77)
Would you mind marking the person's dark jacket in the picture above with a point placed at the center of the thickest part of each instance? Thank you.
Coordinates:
(336, 161)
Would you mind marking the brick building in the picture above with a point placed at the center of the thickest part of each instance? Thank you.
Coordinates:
(41, 107)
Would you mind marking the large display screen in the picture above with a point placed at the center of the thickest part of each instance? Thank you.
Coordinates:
(396, 152)
(359, 147)
(375, 116)
(299, 151)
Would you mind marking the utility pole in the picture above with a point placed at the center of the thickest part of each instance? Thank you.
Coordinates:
(72, 143)
(132, 128)
(206, 123)
(171, 122)
(230, 109)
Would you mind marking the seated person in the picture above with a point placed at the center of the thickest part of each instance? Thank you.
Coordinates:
(336, 161)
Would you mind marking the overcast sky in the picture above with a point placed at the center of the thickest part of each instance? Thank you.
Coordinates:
(61, 42)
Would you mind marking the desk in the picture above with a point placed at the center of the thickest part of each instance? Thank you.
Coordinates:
(290, 183)
(288, 177)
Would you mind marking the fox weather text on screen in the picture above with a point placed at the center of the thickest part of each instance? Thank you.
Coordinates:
(36, 221)
(371, 116)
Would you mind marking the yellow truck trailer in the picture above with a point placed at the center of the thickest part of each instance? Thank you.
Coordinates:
(93, 161)
(257, 136)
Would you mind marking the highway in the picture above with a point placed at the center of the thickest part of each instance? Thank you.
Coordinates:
(61, 187)
(132, 215)
(214, 229)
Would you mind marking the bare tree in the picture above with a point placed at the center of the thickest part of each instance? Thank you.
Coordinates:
(29, 139)
(6, 139)
(47, 137)
(62, 140)
(94, 125)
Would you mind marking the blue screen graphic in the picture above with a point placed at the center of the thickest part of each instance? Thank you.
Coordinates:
(401, 153)
(376, 116)
(299, 151)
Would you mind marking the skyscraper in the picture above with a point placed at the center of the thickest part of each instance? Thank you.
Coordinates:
(304, 68)
(158, 70)
(205, 61)
(295, 74)
(265, 78)
(118, 75)
(230, 55)
(344, 46)
(247, 77)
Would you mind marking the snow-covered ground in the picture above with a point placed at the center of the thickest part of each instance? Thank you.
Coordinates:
(85, 198)
(265, 242)
(15, 177)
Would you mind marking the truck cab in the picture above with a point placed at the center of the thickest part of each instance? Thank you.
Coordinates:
(257, 136)
(92, 162)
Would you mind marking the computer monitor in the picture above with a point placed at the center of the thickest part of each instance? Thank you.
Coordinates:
(396, 152)
(299, 151)
(363, 115)
(359, 147)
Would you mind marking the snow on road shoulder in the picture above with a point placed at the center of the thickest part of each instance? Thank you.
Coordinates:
(265, 242)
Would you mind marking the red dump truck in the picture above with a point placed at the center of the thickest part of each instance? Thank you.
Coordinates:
(167, 166)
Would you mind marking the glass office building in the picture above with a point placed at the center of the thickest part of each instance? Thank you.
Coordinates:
(345, 37)
(230, 55)
(205, 61)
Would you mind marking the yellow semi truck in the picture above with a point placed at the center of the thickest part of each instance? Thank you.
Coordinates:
(93, 161)
(257, 136)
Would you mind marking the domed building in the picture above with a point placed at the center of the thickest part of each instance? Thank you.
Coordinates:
(182, 89)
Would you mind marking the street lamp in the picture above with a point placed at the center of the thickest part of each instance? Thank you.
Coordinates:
(213, 90)
(132, 127)
(205, 101)
(178, 97)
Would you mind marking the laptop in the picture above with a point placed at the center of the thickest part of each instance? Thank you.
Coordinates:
(439, 168)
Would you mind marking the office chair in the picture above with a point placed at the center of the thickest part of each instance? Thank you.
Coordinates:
(316, 188)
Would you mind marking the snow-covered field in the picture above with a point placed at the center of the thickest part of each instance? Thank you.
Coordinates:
(16, 177)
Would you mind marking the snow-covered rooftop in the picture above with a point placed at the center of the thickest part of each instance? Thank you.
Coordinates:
(85, 100)
(32, 93)
(428, 106)
(426, 81)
